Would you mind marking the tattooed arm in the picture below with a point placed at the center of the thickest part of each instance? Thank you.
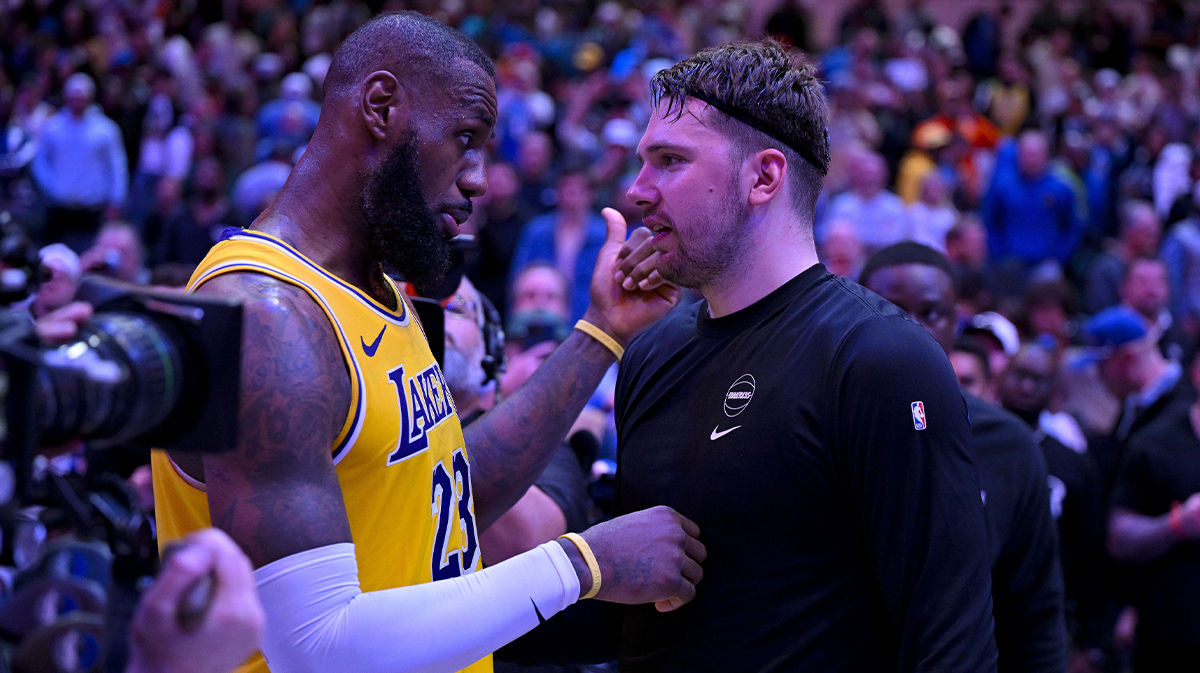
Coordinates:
(277, 493)
(511, 445)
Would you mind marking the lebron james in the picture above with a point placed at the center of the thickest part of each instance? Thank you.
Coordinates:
(352, 487)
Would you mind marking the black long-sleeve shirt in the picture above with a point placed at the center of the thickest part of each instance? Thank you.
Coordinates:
(819, 440)
(1027, 588)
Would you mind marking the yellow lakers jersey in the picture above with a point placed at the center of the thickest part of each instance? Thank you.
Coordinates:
(400, 458)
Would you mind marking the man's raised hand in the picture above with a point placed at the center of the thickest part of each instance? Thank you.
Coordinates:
(621, 312)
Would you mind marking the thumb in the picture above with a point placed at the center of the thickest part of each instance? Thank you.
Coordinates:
(617, 229)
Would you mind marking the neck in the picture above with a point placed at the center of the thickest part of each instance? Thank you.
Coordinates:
(776, 253)
(571, 217)
(317, 212)
(1152, 371)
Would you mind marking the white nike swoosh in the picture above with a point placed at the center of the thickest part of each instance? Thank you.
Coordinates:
(717, 435)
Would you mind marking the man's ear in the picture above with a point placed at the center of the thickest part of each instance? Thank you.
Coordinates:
(768, 170)
(384, 103)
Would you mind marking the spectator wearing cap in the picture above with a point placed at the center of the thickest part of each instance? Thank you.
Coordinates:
(1155, 525)
(1031, 215)
(1140, 235)
(878, 216)
(569, 237)
(1145, 289)
(80, 167)
(1121, 343)
(998, 337)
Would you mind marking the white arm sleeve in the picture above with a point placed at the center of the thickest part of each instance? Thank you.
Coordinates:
(317, 619)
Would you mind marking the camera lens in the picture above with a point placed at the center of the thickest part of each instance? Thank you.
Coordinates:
(125, 377)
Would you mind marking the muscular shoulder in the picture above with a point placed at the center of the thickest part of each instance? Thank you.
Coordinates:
(288, 346)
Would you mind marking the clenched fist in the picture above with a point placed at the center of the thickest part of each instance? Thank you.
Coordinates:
(651, 556)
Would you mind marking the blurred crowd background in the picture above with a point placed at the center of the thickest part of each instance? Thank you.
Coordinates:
(1048, 149)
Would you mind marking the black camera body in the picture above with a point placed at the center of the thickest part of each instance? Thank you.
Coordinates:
(152, 368)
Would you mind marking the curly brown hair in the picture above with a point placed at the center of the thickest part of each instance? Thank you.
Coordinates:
(760, 96)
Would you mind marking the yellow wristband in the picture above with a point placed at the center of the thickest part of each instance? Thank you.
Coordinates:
(590, 559)
(601, 336)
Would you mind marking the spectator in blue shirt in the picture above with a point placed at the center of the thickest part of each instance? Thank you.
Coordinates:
(80, 167)
(569, 237)
(1031, 215)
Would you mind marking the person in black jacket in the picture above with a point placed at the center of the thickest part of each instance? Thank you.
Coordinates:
(1076, 503)
(1027, 585)
(1133, 368)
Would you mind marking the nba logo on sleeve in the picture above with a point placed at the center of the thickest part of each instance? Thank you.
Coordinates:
(918, 409)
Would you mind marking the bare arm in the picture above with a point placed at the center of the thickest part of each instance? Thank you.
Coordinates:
(511, 445)
(277, 493)
(1138, 538)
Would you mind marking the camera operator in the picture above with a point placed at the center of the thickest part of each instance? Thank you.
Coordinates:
(117, 254)
(176, 628)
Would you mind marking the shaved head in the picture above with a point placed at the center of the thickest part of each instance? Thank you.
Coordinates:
(407, 44)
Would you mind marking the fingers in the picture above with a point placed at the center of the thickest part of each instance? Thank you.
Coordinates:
(62, 324)
(55, 332)
(688, 525)
(634, 252)
(695, 549)
(687, 591)
(76, 311)
(692, 571)
(617, 228)
(180, 571)
(643, 274)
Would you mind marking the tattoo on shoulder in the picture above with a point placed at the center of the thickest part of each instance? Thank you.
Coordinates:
(278, 493)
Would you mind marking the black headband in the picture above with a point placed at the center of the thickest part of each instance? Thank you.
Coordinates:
(751, 120)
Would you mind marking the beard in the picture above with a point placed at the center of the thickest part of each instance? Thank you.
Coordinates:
(464, 376)
(716, 246)
(402, 226)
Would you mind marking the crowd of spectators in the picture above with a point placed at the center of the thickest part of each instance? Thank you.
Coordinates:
(1058, 171)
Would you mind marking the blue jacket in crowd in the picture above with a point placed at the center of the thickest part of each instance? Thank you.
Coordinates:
(1031, 220)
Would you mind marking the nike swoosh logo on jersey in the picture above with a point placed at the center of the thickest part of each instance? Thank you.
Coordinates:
(717, 435)
(541, 619)
(370, 350)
